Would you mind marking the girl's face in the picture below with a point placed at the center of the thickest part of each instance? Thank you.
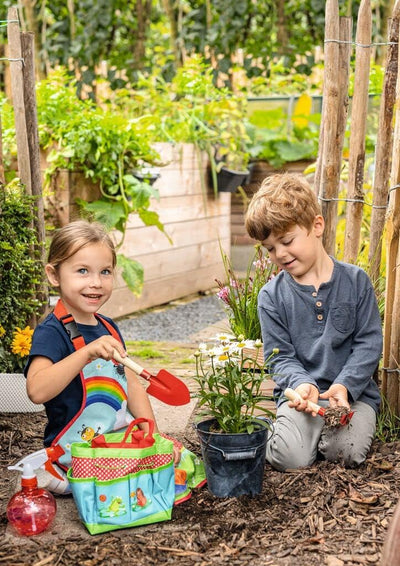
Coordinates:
(85, 281)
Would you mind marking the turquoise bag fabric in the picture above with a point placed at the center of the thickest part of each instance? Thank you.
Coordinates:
(122, 480)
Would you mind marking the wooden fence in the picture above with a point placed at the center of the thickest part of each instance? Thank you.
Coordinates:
(384, 217)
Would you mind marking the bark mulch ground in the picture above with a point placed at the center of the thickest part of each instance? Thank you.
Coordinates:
(322, 515)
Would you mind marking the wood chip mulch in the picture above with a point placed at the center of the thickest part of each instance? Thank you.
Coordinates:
(322, 515)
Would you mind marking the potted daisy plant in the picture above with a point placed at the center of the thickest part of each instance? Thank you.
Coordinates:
(233, 436)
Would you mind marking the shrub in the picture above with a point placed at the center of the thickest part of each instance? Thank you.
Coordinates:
(20, 269)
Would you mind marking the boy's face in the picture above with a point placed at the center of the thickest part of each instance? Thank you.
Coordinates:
(297, 250)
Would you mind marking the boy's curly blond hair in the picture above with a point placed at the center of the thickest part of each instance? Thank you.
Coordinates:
(282, 200)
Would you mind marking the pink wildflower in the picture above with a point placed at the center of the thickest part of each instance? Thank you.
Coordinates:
(223, 294)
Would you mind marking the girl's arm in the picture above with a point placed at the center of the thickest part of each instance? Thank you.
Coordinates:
(45, 379)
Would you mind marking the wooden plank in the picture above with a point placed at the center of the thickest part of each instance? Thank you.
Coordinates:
(185, 208)
(243, 240)
(177, 261)
(158, 292)
(180, 156)
(149, 239)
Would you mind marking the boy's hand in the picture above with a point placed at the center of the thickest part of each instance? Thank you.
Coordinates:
(308, 392)
(337, 395)
(103, 347)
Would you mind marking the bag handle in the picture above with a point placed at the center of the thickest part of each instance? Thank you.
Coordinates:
(137, 437)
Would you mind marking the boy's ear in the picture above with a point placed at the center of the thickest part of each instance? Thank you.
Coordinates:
(319, 225)
(52, 275)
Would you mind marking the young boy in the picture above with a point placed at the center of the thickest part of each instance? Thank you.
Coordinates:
(323, 317)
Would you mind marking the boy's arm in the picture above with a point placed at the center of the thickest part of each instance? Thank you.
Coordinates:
(287, 369)
(367, 346)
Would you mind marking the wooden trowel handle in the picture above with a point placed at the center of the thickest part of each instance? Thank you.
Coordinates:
(294, 396)
(131, 365)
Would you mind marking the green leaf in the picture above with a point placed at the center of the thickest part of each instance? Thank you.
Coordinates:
(132, 273)
(151, 218)
(109, 213)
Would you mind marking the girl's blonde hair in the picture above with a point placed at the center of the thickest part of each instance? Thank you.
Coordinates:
(77, 235)
(282, 200)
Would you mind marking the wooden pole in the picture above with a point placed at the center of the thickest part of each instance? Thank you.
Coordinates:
(2, 176)
(345, 48)
(390, 368)
(329, 175)
(358, 128)
(384, 147)
(17, 89)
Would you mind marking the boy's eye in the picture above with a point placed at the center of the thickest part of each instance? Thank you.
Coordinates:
(287, 242)
(82, 270)
(106, 272)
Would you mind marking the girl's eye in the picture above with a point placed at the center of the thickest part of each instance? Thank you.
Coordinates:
(106, 272)
(82, 270)
(287, 243)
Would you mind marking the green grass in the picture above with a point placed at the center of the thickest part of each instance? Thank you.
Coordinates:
(143, 349)
(388, 424)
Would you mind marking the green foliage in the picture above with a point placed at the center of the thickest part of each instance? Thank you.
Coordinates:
(240, 296)
(278, 139)
(190, 109)
(106, 146)
(230, 384)
(388, 423)
(20, 268)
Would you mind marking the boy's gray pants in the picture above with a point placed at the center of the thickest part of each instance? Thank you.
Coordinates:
(298, 437)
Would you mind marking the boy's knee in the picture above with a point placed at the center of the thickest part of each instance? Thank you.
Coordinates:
(282, 457)
(350, 456)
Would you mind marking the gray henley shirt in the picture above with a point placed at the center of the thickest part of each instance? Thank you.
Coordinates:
(333, 335)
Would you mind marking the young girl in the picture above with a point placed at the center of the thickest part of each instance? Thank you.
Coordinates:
(70, 368)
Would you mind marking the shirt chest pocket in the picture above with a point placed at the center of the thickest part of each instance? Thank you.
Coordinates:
(343, 317)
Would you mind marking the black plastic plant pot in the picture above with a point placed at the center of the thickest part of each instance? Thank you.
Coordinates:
(151, 178)
(229, 180)
(234, 463)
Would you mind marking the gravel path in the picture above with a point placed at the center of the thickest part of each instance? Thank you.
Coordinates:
(175, 323)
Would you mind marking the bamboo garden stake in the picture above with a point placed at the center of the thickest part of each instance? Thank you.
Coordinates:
(384, 147)
(390, 376)
(329, 174)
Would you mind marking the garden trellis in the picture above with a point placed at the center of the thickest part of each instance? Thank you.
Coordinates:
(385, 204)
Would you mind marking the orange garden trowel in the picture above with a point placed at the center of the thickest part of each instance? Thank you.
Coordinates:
(164, 386)
(334, 417)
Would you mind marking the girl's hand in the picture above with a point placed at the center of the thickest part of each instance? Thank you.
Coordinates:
(337, 395)
(103, 347)
(177, 455)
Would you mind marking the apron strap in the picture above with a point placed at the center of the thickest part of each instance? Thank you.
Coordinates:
(71, 328)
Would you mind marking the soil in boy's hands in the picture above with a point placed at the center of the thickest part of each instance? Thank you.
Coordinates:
(335, 416)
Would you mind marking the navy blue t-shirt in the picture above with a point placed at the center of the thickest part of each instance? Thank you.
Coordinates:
(51, 340)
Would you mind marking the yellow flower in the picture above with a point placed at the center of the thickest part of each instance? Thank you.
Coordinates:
(2, 331)
(21, 343)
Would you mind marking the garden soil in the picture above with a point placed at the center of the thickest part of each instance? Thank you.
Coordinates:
(321, 515)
